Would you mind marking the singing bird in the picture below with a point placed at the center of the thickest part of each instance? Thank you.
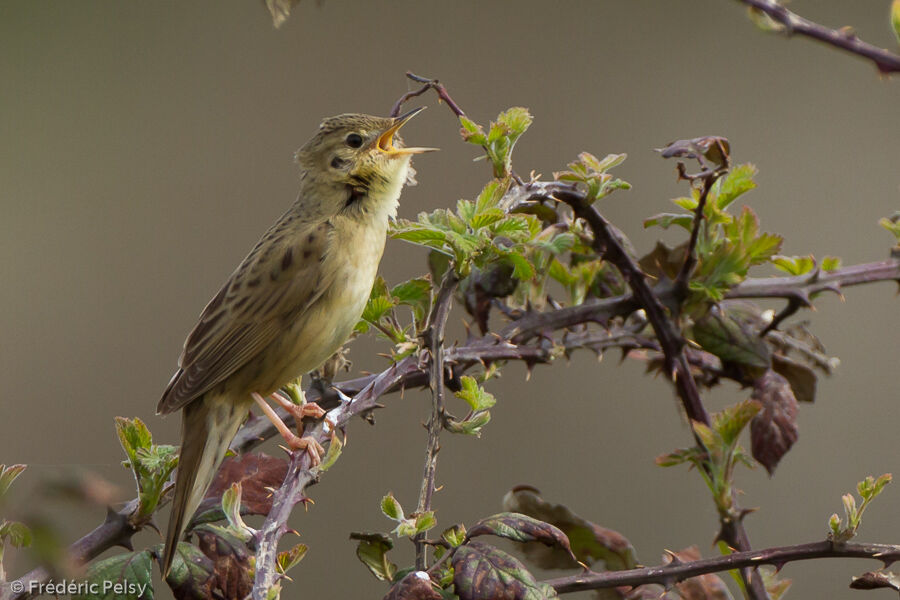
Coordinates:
(291, 303)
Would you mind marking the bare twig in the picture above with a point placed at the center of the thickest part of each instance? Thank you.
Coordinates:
(678, 571)
(429, 84)
(434, 339)
(886, 62)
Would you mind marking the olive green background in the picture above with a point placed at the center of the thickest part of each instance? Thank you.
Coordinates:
(144, 147)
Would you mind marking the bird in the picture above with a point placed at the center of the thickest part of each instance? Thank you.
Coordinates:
(290, 304)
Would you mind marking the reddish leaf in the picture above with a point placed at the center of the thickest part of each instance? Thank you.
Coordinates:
(801, 377)
(663, 261)
(255, 473)
(876, 579)
(522, 528)
(774, 429)
(702, 587)
(482, 571)
(415, 586)
(230, 558)
(589, 542)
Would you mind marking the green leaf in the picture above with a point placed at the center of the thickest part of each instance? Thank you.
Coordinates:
(231, 507)
(666, 220)
(474, 395)
(391, 508)
(287, 560)
(794, 265)
(425, 521)
(736, 183)
(121, 577)
(472, 132)
(731, 421)
(830, 263)
(455, 536)
(482, 571)
(471, 426)
(18, 534)
(133, 436)
(486, 218)
(7, 476)
(892, 224)
(523, 270)
(895, 18)
(372, 551)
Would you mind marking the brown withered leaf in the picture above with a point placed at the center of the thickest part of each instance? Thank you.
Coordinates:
(774, 429)
(711, 147)
(703, 587)
(230, 558)
(589, 542)
(801, 377)
(663, 261)
(522, 528)
(482, 571)
(255, 473)
(415, 586)
(874, 580)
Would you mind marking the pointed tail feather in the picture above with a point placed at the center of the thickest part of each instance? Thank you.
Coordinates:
(208, 426)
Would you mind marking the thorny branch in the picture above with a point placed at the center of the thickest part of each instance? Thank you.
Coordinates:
(679, 571)
(886, 62)
(508, 344)
(434, 339)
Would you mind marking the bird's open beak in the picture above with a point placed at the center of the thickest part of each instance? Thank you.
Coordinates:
(385, 141)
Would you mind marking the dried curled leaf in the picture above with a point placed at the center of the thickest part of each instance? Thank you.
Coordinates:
(589, 541)
(258, 474)
(774, 429)
(522, 528)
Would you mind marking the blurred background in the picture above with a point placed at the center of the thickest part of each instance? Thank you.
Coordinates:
(145, 147)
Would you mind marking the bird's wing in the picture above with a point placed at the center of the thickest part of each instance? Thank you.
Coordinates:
(274, 285)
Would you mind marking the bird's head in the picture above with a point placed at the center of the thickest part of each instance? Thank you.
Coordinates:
(362, 154)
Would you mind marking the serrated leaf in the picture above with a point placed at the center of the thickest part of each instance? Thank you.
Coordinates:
(486, 218)
(774, 430)
(391, 508)
(481, 571)
(830, 263)
(523, 270)
(121, 577)
(133, 436)
(372, 551)
(17, 534)
(474, 395)
(519, 527)
(736, 183)
(588, 541)
(731, 421)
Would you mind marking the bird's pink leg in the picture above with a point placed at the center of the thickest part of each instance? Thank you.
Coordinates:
(313, 448)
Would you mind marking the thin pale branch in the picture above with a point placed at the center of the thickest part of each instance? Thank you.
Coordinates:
(886, 62)
(672, 573)
(434, 339)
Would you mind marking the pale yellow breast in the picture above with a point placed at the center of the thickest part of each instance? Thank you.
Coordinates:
(353, 256)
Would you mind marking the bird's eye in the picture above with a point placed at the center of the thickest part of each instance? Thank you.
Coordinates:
(354, 140)
(337, 163)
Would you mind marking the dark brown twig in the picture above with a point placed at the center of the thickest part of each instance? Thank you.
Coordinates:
(674, 572)
(429, 84)
(886, 62)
